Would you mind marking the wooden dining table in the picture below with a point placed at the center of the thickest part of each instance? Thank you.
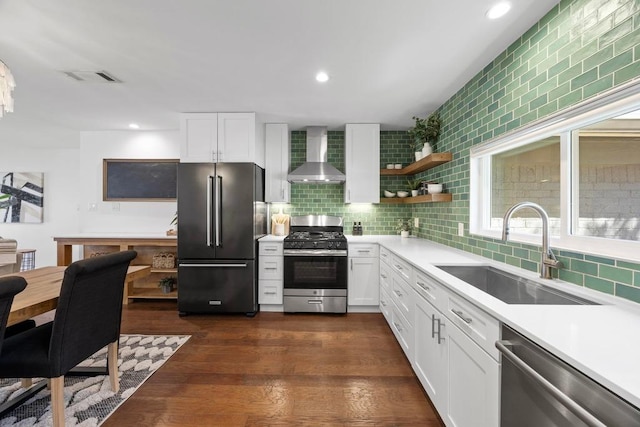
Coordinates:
(43, 289)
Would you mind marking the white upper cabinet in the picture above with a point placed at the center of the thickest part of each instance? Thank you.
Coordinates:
(199, 137)
(221, 137)
(362, 163)
(278, 144)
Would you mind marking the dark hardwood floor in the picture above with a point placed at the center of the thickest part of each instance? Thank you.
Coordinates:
(274, 370)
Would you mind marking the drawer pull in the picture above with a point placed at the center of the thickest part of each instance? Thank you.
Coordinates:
(398, 293)
(270, 293)
(398, 327)
(383, 255)
(423, 286)
(399, 267)
(384, 303)
(271, 268)
(364, 250)
(384, 276)
(270, 249)
(314, 301)
(461, 315)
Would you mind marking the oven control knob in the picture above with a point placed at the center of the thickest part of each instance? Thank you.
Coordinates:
(338, 244)
(315, 244)
(330, 245)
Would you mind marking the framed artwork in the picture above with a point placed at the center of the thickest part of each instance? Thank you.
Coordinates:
(21, 196)
(144, 180)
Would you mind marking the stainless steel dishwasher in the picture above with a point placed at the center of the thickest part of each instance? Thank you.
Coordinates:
(538, 389)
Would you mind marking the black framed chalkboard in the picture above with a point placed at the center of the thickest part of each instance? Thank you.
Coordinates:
(139, 179)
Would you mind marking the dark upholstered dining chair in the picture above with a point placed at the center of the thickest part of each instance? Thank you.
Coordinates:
(87, 319)
(9, 287)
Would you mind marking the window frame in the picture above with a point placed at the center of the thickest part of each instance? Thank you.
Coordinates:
(565, 124)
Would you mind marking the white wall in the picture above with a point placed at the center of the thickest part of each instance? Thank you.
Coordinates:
(73, 180)
(123, 217)
(60, 202)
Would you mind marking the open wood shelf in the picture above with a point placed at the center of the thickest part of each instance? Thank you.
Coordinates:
(431, 161)
(427, 198)
(164, 270)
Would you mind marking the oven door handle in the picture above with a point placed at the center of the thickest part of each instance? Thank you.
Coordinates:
(314, 252)
(562, 398)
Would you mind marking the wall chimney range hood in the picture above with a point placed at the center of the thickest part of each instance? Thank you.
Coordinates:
(316, 169)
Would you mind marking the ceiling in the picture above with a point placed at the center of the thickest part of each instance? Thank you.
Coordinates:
(388, 60)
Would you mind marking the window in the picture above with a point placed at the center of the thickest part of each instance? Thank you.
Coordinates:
(581, 166)
(532, 173)
(608, 186)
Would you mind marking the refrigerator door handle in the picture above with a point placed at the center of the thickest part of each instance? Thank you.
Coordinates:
(218, 212)
(209, 188)
(214, 265)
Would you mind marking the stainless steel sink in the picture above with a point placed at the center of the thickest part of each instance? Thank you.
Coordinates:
(511, 288)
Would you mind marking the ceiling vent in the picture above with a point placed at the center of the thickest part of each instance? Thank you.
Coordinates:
(92, 76)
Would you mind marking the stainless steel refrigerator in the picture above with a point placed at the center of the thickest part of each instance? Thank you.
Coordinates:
(221, 214)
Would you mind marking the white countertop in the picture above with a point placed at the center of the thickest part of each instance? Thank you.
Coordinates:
(598, 340)
(272, 238)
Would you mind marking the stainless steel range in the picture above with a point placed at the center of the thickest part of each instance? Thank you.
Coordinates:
(315, 265)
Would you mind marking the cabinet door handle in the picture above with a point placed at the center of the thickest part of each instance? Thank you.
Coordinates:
(461, 315)
(440, 339)
(383, 302)
(433, 326)
(383, 276)
(351, 265)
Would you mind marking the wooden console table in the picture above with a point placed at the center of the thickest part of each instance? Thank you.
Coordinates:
(147, 247)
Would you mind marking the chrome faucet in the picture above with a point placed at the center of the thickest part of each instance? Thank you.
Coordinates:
(548, 258)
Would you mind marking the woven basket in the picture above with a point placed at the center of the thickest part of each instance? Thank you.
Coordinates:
(163, 260)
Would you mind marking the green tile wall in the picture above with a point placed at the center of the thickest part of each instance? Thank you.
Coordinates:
(579, 49)
(328, 199)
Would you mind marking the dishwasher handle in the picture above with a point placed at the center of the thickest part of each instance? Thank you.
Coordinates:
(565, 400)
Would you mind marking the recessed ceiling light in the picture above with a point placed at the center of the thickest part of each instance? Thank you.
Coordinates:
(498, 10)
(134, 126)
(322, 77)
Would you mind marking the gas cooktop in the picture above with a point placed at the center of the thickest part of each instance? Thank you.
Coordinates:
(314, 232)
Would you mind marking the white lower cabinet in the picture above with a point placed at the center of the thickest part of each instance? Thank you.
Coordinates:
(474, 387)
(364, 272)
(270, 273)
(430, 352)
(448, 341)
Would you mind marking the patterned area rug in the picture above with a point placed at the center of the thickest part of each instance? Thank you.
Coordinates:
(89, 400)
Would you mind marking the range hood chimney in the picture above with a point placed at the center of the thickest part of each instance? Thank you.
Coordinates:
(316, 170)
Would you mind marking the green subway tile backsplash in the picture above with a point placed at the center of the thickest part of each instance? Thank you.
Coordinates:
(580, 49)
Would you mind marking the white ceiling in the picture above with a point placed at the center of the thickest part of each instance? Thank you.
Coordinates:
(388, 60)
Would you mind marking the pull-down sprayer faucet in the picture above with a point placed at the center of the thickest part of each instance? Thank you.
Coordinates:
(548, 258)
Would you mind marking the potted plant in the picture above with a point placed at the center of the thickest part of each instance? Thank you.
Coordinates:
(404, 227)
(167, 284)
(414, 185)
(425, 133)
